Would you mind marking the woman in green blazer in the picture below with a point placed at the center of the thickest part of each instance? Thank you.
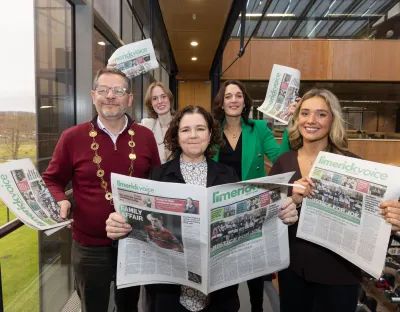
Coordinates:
(247, 141)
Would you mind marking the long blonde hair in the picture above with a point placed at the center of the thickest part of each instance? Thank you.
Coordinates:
(337, 141)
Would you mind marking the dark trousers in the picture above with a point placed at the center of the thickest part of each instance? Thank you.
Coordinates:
(94, 269)
(166, 298)
(297, 294)
(256, 291)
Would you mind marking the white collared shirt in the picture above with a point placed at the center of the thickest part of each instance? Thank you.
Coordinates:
(112, 136)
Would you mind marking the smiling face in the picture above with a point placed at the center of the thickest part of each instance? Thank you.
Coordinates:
(110, 106)
(160, 101)
(193, 135)
(233, 101)
(315, 120)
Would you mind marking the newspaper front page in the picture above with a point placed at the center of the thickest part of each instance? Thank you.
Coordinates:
(135, 59)
(343, 213)
(25, 194)
(283, 88)
(205, 238)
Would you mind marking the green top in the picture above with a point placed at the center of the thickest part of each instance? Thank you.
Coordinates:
(256, 143)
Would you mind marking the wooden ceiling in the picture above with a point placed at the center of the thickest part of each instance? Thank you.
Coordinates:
(206, 28)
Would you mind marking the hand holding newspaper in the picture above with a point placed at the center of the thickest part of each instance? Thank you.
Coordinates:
(135, 58)
(25, 194)
(205, 238)
(343, 214)
(283, 88)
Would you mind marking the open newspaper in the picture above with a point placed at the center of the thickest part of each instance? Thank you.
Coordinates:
(135, 58)
(25, 194)
(205, 238)
(283, 88)
(343, 214)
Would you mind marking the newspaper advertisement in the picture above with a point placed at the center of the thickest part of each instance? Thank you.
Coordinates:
(343, 213)
(25, 194)
(283, 88)
(205, 238)
(135, 59)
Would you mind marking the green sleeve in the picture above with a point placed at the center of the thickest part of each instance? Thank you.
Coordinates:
(285, 144)
(271, 147)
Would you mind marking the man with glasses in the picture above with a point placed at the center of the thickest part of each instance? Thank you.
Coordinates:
(86, 154)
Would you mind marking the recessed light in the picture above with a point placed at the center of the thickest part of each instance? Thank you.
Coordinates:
(101, 43)
(194, 43)
(194, 58)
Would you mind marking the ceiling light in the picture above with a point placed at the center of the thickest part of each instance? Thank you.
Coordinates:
(101, 43)
(194, 43)
(46, 106)
(194, 58)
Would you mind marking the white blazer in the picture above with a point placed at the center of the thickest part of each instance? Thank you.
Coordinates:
(155, 126)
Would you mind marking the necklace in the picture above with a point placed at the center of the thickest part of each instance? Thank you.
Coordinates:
(97, 160)
(234, 135)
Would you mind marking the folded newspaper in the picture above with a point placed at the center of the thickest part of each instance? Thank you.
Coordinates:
(25, 194)
(283, 88)
(343, 214)
(135, 58)
(205, 238)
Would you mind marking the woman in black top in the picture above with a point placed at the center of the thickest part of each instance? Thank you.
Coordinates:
(317, 279)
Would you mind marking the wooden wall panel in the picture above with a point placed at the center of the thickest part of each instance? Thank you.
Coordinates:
(385, 61)
(194, 92)
(185, 94)
(351, 59)
(241, 68)
(310, 57)
(266, 53)
(202, 95)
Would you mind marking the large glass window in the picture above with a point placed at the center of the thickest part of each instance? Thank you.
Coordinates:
(367, 19)
(371, 109)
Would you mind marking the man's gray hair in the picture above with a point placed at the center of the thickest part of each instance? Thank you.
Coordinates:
(114, 71)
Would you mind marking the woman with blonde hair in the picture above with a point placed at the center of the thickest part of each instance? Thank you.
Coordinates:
(158, 101)
(317, 278)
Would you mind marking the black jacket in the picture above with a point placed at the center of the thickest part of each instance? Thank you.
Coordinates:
(217, 173)
(223, 300)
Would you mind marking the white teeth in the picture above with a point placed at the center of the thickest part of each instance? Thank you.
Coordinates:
(312, 129)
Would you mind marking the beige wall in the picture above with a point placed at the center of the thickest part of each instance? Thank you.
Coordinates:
(357, 60)
(194, 92)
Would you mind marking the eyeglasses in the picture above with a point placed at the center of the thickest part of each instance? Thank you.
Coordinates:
(117, 91)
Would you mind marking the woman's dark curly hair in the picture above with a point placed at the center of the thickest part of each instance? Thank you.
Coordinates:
(171, 137)
(218, 103)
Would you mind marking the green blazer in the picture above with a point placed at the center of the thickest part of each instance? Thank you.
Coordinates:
(256, 143)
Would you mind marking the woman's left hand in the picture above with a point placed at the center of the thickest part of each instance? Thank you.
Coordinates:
(391, 213)
(288, 213)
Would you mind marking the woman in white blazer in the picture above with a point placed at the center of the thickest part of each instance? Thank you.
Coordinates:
(158, 101)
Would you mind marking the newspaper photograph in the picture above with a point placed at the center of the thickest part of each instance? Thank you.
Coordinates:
(135, 59)
(200, 237)
(283, 89)
(25, 194)
(343, 213)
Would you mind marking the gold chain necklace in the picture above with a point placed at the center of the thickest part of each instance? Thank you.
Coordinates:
(97, 160)
(234, 135)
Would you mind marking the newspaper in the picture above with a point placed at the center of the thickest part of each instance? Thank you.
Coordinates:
(135, 58)
(343, 213)
(25, 194)
(283, 88)
(205, 238)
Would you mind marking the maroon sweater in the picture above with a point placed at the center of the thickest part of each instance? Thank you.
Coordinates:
(73, 161)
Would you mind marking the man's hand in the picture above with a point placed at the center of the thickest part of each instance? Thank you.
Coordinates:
(65, 207)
